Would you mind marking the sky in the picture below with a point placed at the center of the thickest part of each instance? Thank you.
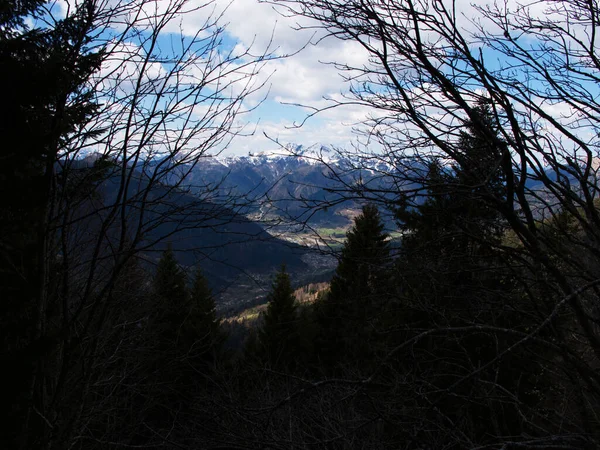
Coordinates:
(301, 75)
(303, 78)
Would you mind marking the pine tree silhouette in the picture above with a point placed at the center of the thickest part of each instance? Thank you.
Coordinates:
(358, 290)
(278, 334)
(202, 327)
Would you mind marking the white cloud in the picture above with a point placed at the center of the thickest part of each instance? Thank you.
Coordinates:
(297, 75)
(333, 127)
(302, 76)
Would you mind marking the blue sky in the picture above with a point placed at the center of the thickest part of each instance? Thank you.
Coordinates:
(303, 77)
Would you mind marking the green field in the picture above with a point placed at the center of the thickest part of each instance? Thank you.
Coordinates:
(332, 233)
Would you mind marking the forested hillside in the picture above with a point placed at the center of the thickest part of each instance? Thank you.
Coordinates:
(463, 309)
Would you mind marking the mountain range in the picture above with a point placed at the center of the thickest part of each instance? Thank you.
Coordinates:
(230, 232)
(301, 186)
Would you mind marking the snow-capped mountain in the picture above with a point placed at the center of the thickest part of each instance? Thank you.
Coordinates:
(313, 155)
(294, 182)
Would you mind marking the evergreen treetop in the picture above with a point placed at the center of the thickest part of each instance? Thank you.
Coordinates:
(278, 330)
(460, 209)
(202, 299)
(202, 326)
(364, 255)
(357, 291)
(170, 280)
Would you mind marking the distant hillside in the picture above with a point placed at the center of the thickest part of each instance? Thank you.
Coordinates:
(226, 244)
(321, 187)
(300, 187)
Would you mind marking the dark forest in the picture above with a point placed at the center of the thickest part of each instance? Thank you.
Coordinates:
(460, 307)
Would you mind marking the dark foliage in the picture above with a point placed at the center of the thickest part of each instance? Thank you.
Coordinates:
(359, 290)
(481, 332)
(278, 334)
(47, 97)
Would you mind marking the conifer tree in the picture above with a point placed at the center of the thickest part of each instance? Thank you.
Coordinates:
(202, 326)
(169, 385)
(357, 290)
(365, 253)
(450, 238)
(454, 276)
(171, 299)
(170, 281)
(46, 101)
(459, 212)
(478, 177)
(278, 334)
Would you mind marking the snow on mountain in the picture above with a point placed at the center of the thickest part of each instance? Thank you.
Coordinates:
(298, 153)
(293, 155)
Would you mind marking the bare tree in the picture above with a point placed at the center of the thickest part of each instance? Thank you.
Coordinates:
(430, 64)
(159, 100)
